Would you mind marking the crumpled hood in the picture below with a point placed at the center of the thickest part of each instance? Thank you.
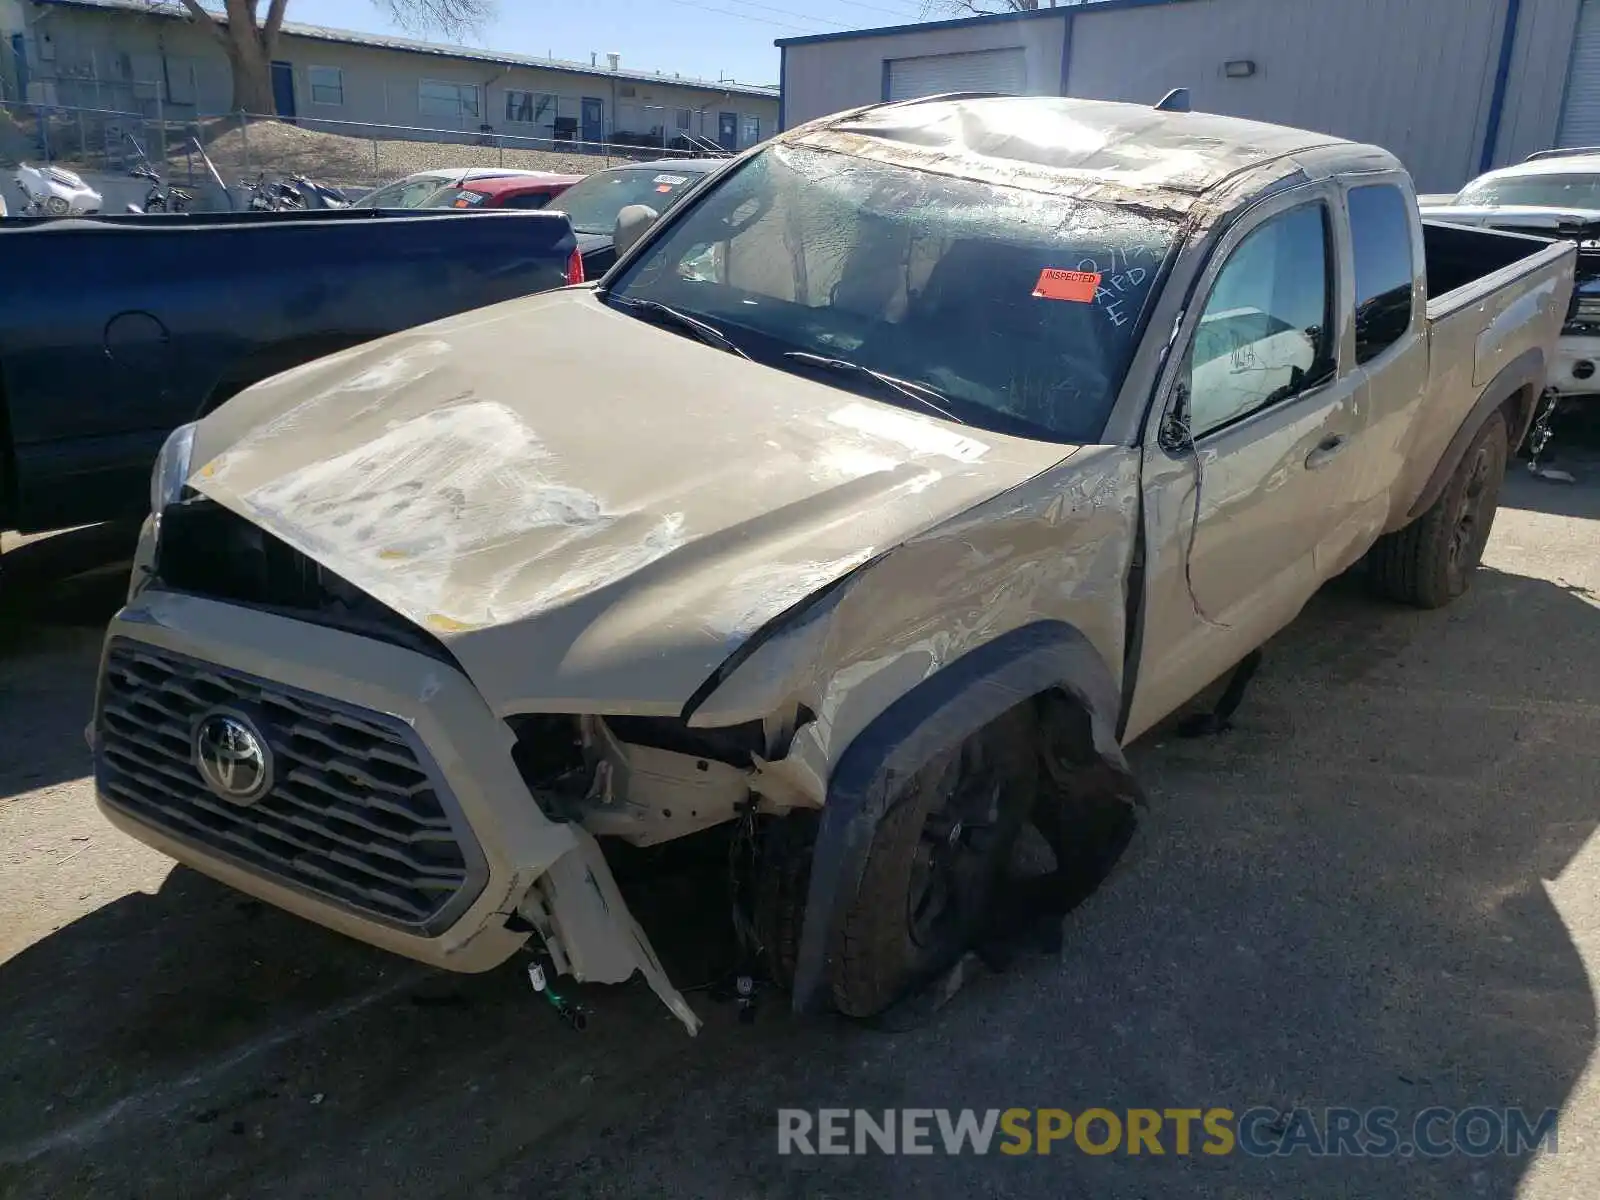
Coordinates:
(591, 511)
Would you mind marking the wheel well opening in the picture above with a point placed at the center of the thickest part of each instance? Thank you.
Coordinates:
(1087, 797)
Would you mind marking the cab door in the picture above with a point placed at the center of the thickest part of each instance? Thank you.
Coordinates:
(1249, 474)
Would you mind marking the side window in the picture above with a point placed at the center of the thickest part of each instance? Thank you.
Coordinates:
(527, 200)
(1380, 234)
(1266, 334)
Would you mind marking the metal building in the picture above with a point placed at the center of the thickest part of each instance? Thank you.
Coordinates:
(1452, 87)
(148, 57)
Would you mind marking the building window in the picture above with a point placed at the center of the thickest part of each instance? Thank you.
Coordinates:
(327, 85)
(450, 101)
(530, 108)
(684, 117)
(752, 130)
(1380, 236)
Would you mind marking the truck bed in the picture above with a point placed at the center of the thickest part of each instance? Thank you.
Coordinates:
(1496, 304)
(116, 329)
(1467, 263)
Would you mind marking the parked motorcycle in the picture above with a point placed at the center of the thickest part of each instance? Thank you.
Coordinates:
(294, 194)
(54, 192)
(162, 196)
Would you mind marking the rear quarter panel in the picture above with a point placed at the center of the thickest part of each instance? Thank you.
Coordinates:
(1474, 334)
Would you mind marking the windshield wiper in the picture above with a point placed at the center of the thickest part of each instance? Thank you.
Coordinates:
(924, 395)
(707, 333)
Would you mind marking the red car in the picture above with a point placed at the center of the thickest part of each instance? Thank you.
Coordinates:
(525, 189)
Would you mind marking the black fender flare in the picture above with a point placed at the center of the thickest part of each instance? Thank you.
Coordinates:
(1528, 369)
(942, 711)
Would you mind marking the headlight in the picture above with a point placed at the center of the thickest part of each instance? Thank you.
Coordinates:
(172, 468)
(57, 206)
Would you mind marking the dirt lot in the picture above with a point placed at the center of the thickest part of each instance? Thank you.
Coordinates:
(1382, 888)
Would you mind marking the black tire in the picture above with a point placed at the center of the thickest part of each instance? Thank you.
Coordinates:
(1430, 562)
(932, 866)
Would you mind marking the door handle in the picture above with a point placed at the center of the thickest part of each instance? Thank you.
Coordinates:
(1326, 449)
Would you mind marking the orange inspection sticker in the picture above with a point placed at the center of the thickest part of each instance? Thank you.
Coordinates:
(1077, 286)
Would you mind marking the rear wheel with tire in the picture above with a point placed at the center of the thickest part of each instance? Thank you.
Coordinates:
(1430, 562)
(932, 866)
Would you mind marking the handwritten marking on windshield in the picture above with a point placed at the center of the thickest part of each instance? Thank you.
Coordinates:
(1109, 290)
(1076, 286)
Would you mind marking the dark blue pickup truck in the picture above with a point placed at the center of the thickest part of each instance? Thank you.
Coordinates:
(115, 330)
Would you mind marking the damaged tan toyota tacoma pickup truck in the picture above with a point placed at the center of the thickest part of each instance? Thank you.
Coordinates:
(883, 490)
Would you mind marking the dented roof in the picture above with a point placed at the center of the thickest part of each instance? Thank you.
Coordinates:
(1063, 144)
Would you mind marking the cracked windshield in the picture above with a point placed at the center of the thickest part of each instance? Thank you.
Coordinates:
(1002, 308)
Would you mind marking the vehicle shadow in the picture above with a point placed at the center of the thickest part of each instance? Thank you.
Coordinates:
(1342, 902)
(56, 595)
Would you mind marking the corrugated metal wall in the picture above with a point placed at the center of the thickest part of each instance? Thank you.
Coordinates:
(826, 76)
(1413, 75)
(1538, 78)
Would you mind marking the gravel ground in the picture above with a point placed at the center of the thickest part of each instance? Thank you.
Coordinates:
(1383, 888)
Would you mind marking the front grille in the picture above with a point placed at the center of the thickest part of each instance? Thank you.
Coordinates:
(355, 813)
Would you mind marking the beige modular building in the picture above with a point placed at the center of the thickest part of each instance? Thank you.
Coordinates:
(138, 56)
(1452, 87)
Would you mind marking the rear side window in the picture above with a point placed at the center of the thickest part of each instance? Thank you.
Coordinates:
(527, 200)
(1380, 235)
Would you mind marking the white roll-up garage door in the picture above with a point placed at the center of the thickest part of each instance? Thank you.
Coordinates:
(975, 71)
(1580, 115)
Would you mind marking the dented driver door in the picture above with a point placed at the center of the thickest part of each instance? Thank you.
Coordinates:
(1249, 470)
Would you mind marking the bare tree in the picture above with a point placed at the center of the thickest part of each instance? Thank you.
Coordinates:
(249, 36)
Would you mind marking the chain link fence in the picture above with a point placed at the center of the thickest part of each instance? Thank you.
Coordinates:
(93, 138)
(362, 155)
(353, 155)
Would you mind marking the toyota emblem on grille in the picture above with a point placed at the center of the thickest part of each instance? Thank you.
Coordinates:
(232, 757)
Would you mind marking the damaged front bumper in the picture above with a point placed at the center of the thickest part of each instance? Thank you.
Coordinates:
(394, 812)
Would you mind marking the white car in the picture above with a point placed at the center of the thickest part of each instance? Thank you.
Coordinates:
(1552, 190)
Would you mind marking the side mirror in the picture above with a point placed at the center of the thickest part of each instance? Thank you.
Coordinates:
(632, 224)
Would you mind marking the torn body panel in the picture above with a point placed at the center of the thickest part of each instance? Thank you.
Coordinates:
(1056, 548)
(585, 921)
